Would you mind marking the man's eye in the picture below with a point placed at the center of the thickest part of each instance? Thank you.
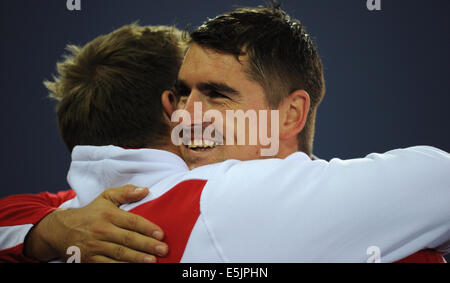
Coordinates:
(214, 94)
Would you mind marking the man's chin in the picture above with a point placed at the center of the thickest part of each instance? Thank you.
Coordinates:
(196, 157)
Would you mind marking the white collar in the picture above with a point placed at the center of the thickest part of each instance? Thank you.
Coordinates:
(96, 168)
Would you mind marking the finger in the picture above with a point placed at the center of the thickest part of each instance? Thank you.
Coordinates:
(101, 259)
(134, 241)
(123, 254)
(136, 223)
(124, 194)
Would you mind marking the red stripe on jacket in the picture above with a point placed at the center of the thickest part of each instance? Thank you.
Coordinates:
(176, 212)
(27, 209)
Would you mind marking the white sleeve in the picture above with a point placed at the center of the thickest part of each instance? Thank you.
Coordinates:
(14, 235)
(297, 210)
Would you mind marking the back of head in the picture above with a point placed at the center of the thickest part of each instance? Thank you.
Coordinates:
(282, 56)
(109, 91)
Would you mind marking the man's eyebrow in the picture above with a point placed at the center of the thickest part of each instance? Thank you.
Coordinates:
(217, 87)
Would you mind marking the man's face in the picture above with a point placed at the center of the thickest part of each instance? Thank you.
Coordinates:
(218, 81)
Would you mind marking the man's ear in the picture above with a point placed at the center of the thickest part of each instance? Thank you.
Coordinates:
(169, 103)
(293, 113)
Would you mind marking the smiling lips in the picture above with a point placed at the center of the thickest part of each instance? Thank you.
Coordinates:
(201, 144)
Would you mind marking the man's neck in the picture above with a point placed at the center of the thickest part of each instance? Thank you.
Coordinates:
(287, 147)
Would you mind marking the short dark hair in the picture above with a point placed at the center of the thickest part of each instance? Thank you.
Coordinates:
(282, 56)
(109, 91)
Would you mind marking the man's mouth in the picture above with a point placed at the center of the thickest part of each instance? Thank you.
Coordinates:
(201, 145)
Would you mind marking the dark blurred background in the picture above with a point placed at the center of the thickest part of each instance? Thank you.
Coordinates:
(386, 74)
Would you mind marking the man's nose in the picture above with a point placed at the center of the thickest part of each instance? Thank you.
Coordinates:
(193, 102)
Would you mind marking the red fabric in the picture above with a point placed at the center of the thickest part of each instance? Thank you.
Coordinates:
(30, 208)
(15, 254)
(27, 209)
(424, 256)
(176, 212)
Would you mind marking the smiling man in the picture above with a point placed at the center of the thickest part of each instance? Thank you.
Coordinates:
(234, 63)
(220, 83)
(304, 210)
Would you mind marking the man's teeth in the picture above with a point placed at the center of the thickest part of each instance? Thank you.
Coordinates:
(201, 144)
